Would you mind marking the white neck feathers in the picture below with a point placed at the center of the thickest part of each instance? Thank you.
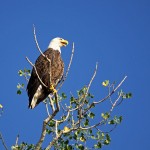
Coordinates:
(54, 46)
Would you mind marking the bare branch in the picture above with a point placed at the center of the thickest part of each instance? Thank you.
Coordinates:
(51, 103)
(37, 45)
(17, 140)
(111, 92)
(56, 138)
(47, 110)
(63, 120)
(45, 122)
(3, 142)
(56, 128)
(87, 88)
(115, 103)
(95, 125)
(100, 101)
(66, 74)
(35, 71)
(92, 78)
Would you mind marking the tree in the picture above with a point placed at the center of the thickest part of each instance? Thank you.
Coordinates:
(76, 126)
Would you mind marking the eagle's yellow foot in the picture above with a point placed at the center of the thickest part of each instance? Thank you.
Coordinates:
(53, 89)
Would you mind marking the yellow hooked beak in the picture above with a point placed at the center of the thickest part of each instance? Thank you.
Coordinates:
(64, 42)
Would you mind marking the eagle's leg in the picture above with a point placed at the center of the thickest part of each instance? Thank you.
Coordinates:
(52, 89)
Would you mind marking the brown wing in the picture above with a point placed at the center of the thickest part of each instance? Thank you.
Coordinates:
(44, 69)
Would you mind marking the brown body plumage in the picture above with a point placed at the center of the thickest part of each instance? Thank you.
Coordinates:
(37, 92)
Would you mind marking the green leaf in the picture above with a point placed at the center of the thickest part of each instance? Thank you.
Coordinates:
(108, 140)
(116, 120)
(69, 147)
(63, 117)
(98, 145)
(66, 142)
(93, 137)
(72, 100)
(63, 95)
(100, 135)
(22, 85)
(48, 131)
(105, 83)
(90, 95)
(18, 86)
(91, 115)
(20, 72)
(86, 101)
(86, 123)
(105, 115)
(128, 95)
(80, 147)
(90, 131)
(19, 92)
(51, 123)
(120, 119)
(82, 91)
(82, 139)
(111, 122)
(27, 71)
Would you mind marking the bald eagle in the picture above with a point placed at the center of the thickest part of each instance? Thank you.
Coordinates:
(49, 73)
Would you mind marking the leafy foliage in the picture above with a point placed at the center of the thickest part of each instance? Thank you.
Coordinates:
(23, 73)
(23, 146)
(77, 127)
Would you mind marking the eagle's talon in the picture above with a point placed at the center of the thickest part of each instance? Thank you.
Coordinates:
(52, 89)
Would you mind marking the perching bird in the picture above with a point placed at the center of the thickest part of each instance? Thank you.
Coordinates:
(50, 72)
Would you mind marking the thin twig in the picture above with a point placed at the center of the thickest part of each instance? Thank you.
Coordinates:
(111, 92)
(120, 102)
(17, 139)
(35, 71)
(63, 120)
(66, 74)
(3, 142)
(93, 126)
(89, 85)
(100, 101)
(37, 45)
(109, 87)
(56, 128)
(111, 129)
(115, 103)
(51, 103)
(47, 110)
(54, 140)
(1, 111)
(92, 78)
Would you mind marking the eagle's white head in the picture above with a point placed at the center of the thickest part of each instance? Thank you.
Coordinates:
(57, 43)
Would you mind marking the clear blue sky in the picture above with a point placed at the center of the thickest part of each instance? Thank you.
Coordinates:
(114, 33)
